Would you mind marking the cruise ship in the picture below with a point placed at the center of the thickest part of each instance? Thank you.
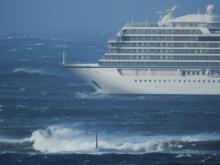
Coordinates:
(176, 55)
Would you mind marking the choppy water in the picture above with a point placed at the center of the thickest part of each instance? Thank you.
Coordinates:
(50, 116)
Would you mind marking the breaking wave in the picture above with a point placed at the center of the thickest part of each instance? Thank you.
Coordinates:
(57, 139)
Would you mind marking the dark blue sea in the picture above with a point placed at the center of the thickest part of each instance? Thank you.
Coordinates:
(48, 115)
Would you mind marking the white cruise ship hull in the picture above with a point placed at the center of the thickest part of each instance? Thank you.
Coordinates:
(145, 81)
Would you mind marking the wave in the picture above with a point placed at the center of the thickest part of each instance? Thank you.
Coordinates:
(91, 95)
(98, 95)
(16, 146)
(1, 108)
(40, 71)
(12, 50)
(56, 139)
(28, 70)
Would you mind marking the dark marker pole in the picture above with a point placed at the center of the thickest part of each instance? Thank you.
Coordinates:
(96, 141)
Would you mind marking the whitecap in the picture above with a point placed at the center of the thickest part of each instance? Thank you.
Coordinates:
(29, 48)
(27, 70)
(9, 38)
(58, 139)
(1, 108)
(22, 89)
(91, 95)
(72, 84)
(24, 60)
(43, 57)
(38, 44)
(12, 50)
(61, 46)
(181, 155)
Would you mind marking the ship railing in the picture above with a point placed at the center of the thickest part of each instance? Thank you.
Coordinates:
(140, 25)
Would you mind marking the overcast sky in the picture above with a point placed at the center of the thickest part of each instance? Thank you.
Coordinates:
(67, 16)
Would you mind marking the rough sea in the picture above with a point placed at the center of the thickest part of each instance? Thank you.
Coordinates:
(48, 115)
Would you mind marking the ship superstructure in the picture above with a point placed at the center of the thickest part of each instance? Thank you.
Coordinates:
(177, 55)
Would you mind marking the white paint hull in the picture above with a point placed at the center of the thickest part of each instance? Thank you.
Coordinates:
(111, 81)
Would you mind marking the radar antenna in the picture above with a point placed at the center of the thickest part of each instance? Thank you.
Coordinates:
(166, 15)
(169, 12)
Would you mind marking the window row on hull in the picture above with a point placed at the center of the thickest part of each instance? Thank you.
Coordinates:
(169, 38)
(166, 51)
(177, 81)
(160, 64)
(161, 31)
(165, 45)
(156, 57)
(157, 38)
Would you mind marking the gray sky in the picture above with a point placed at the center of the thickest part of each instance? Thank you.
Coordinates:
(69, 16)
